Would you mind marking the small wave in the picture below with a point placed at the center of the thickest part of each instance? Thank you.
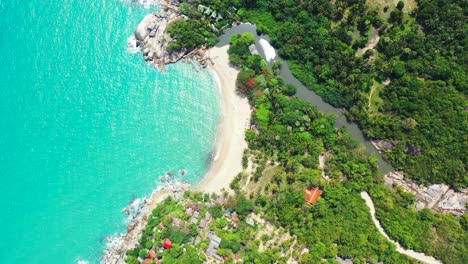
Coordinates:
(81, 261)
(147, 4)
(132, 45)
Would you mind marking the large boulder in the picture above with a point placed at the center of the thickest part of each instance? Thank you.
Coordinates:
(142, 30)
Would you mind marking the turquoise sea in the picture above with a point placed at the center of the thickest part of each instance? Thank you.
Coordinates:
(86, 126)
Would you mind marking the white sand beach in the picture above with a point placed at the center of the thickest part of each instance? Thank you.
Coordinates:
(234, 120)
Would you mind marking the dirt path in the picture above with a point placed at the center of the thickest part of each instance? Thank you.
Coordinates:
(410, 253)
(372, 43)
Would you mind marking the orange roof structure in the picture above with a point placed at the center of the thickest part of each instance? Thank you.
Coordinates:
(312, 195)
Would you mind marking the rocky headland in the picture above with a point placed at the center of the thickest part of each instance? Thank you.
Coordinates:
(151, 38)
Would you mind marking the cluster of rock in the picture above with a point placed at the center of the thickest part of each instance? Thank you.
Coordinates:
(151, 39)
(438, 197)
(382, 145)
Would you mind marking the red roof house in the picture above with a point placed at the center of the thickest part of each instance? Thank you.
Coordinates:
(312, 195)
(152, 254)
(167, 244)
(234, 217)
(146, 261)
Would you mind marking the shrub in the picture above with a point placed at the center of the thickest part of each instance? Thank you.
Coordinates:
(143, 253)
(290, 90)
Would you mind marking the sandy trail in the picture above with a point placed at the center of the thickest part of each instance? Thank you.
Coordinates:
(410, 253)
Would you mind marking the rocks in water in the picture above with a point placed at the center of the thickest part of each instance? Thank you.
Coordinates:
(142, 30)
(152, 39)
(438, 197)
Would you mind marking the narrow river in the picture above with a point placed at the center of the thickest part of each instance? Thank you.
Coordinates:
(311, 96)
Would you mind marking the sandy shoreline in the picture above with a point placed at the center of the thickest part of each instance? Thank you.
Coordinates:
(226, 164)
(234, 120)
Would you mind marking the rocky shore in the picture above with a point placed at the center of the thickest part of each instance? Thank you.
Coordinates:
(151, 38)
(139, 211)
(438, 197)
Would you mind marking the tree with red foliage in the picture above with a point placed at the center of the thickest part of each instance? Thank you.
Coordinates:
(250, 83)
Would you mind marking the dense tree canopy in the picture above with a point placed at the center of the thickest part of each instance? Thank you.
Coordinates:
(410, 89)
(420, 57)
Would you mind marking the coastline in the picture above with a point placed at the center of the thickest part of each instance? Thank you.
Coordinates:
(234, 120)
(118, 244)
(226, 164)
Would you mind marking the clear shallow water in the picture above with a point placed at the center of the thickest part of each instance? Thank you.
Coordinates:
(86, 126)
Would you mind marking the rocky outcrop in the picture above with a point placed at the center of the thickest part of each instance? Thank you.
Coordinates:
(151, 39)
(382, 145)
(438, 197)
(454, 201)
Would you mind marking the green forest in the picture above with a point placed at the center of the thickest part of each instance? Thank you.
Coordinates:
(293, 133)
(409, 88)
(287, 137)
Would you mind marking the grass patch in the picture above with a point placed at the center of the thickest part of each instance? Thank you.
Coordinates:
(374, 100)
(379, 5)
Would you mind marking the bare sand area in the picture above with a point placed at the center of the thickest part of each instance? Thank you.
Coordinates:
(234, 120)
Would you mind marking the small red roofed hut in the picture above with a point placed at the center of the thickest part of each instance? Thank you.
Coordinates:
(167, 244)
(152, 254)
(312, 195)
(234, 217)
(146, 261)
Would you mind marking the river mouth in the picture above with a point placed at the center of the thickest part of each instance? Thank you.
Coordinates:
(352, 128)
